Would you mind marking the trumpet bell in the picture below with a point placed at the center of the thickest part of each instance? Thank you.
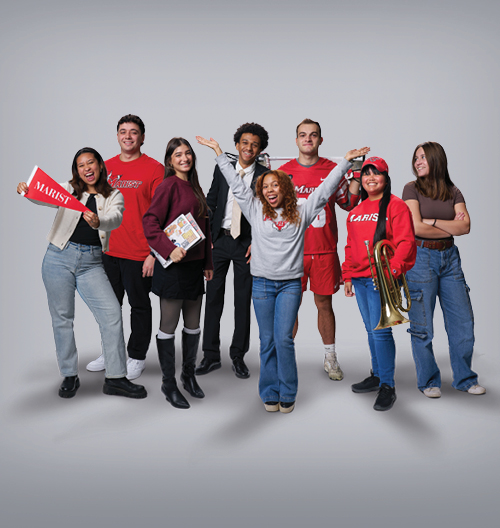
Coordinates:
(390, 317)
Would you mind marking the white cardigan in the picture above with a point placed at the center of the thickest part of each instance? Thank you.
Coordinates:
(109, 210)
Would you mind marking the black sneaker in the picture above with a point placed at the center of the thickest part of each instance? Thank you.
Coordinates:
(367, 385)
(385, 398)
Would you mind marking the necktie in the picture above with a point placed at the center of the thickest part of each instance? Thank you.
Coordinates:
(236, 215)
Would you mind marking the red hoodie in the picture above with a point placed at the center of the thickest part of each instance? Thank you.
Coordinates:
(361, 225)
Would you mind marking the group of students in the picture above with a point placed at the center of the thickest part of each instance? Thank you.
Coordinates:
(83, 256)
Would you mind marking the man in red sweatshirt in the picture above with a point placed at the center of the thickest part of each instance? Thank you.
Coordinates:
(128, 262)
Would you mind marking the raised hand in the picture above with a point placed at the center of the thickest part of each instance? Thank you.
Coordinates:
(356, 153)
(210, 143)
(22, 188)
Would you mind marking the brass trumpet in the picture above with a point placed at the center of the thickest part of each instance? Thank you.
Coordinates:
(390, 291)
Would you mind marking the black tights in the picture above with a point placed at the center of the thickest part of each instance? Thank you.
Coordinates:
(170, 310)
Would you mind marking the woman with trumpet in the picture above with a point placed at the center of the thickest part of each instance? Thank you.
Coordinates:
(439, 214)
(379, 216)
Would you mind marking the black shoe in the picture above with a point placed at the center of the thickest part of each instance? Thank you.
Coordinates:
(207, 365)
(240, 369)
(385, 398)
(367, 385)
(69, 386)
(174, 395)
(123, 387)
(191, 385)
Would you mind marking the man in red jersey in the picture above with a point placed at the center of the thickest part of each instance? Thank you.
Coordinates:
(128, 262)
(321, 261)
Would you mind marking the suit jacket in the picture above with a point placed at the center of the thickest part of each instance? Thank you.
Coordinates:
(216, 201)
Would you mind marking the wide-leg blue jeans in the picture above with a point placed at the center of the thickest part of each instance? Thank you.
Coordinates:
(79, 267)
(439, 274)
(276, 304)
(381, 342)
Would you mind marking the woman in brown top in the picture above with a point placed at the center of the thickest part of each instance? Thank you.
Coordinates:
(439, 214)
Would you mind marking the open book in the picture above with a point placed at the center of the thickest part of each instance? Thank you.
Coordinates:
(184, 232)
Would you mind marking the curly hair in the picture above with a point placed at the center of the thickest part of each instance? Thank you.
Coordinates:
(289, 203)
(256, 130)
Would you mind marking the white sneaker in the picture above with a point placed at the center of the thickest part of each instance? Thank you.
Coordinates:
(432, 392)
(97, 365)
(135, 368)
(332, 367)
(476, 389)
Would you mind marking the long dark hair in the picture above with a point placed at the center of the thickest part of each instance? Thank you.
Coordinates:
(102, 186)
(192, 175)
(437, 184)
(380, 232)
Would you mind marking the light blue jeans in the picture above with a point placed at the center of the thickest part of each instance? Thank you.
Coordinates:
(381, 342)
(439, 274)
(276, 304)
(79, 267)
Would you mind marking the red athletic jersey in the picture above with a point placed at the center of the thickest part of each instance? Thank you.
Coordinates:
(361, 225)
(137, 181)
(321, 235)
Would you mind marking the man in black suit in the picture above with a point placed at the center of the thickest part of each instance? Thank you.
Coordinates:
(231, 238)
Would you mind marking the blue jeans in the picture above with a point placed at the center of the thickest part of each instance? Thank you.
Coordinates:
(79, 267)
(276, 304)
(381, 342)
(439, 273)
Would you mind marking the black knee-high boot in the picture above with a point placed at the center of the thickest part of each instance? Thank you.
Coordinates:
(190, 344)
(166, 355)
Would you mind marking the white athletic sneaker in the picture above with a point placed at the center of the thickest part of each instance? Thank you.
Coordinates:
(97, 365)
(332, 367)
(476, 389)
(432, 392)
(135, 368)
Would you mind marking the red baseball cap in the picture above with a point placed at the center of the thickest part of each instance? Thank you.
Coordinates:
(378, 163)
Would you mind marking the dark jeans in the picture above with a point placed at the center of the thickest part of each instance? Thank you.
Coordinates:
(226, 250)
(126, 276)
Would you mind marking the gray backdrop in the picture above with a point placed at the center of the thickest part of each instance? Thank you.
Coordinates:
(387, 74)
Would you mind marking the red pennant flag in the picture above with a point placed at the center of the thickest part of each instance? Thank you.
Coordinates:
(42, 188)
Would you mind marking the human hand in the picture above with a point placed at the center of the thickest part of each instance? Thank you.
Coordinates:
(177, 254)
(148, 266)
(248, 254)
(22, 188)
(92, 219)
(209, 274)
(210, 143)
(356, 153)
(460, 216)
(348, 289)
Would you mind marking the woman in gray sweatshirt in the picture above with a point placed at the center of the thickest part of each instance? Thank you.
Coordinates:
(278, 229)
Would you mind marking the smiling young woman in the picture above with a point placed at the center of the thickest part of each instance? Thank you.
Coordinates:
(278, 230)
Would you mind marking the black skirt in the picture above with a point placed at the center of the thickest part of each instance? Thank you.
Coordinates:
(184, 280)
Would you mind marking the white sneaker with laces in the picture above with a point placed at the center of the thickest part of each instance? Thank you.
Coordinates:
(332, 367)
(432, 392)
(476, 389)
(135, 368)
(97, 365)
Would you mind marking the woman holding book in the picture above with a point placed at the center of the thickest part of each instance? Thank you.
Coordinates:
(278, 230)
(73, 261)
(180, 286)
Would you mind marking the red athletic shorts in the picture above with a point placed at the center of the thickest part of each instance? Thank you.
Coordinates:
(323, 272)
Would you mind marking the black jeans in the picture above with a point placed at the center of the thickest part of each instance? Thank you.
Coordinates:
(126, 276)
(226, 250)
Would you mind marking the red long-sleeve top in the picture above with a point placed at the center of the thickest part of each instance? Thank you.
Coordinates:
(174, 197)
(361, 225)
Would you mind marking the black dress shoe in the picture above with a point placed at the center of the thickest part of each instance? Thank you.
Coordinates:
(123, 387)
(69, 386)
(240, 369)
(207, 365)
(174, 396)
